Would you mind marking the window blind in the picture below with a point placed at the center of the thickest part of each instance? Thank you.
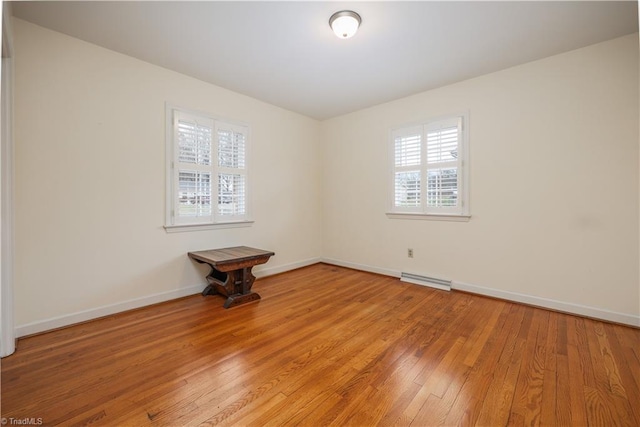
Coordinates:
(231, 194)
(427, 162)
(407, 152)
(208, 171)
(232, 141)
(442, 145)
(231, 149)
(442, 142)
(407, 189)
(194, 143)
(194, 194)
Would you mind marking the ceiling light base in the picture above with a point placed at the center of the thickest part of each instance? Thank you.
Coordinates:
(345, 23)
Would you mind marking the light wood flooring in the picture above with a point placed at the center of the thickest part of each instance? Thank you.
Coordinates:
(330, 346)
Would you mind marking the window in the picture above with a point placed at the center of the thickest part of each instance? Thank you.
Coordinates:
(429, 168)
(207, 170)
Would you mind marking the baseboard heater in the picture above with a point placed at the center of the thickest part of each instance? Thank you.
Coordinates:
(432, 282)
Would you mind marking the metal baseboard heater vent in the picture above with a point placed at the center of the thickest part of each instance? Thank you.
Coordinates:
(432, 282)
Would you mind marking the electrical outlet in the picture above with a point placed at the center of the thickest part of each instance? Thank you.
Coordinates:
(410, 253)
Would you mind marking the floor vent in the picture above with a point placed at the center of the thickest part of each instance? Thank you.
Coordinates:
(432, 282)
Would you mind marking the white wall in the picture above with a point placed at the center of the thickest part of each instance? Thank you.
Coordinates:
(90, 181)
(562, 227)
(554, 185)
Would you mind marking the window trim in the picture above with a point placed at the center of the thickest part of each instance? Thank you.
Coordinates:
(171, 225)
(179, 228)
(445, 214)
(429, 216)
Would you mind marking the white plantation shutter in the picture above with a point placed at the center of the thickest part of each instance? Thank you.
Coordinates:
(209, 170)
(193, 136)
(194, 194)
(428, 162)
(407, 149)
(443, 163)
(231, 194)
(407, 188)
(231, 170)
(194, 142)
(231, 148)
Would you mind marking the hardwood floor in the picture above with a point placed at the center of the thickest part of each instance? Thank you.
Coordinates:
(330, 346)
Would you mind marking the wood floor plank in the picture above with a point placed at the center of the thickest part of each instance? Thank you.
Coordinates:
(576, 375)
(328, 345)
(570, 401)
(626, 373)
(528, 391)
(631, 350)
(435, 410)
(467, 406)
(549, 391)
(607, 377)
(497, 404)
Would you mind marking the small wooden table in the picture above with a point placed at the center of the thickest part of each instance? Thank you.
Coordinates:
(231, 272)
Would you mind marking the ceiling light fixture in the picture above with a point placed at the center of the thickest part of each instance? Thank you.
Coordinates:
(345, 23)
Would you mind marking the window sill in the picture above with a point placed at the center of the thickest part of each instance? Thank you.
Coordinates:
(199, 227)
(429, 217)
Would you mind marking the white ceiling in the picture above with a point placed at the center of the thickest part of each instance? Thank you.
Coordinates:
(284, 53)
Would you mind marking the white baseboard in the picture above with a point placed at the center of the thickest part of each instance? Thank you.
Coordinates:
(567, 307)
(580, 310)
(362, 267)
(270, 271)
(94, 313)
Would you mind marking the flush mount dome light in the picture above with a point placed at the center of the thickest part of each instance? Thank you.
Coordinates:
(345, 23)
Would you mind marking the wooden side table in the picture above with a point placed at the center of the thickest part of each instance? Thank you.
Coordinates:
(231, 272)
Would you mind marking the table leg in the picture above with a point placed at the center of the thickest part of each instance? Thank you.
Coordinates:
(243, 293)
(209, 290)
(235, 285)
(216, 279)
(238, 299)
(247, 280)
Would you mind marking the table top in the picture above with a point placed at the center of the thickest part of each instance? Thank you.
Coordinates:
(225, 255)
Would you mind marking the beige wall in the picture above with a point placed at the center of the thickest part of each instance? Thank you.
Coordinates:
(90, 179)
(554, 183)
